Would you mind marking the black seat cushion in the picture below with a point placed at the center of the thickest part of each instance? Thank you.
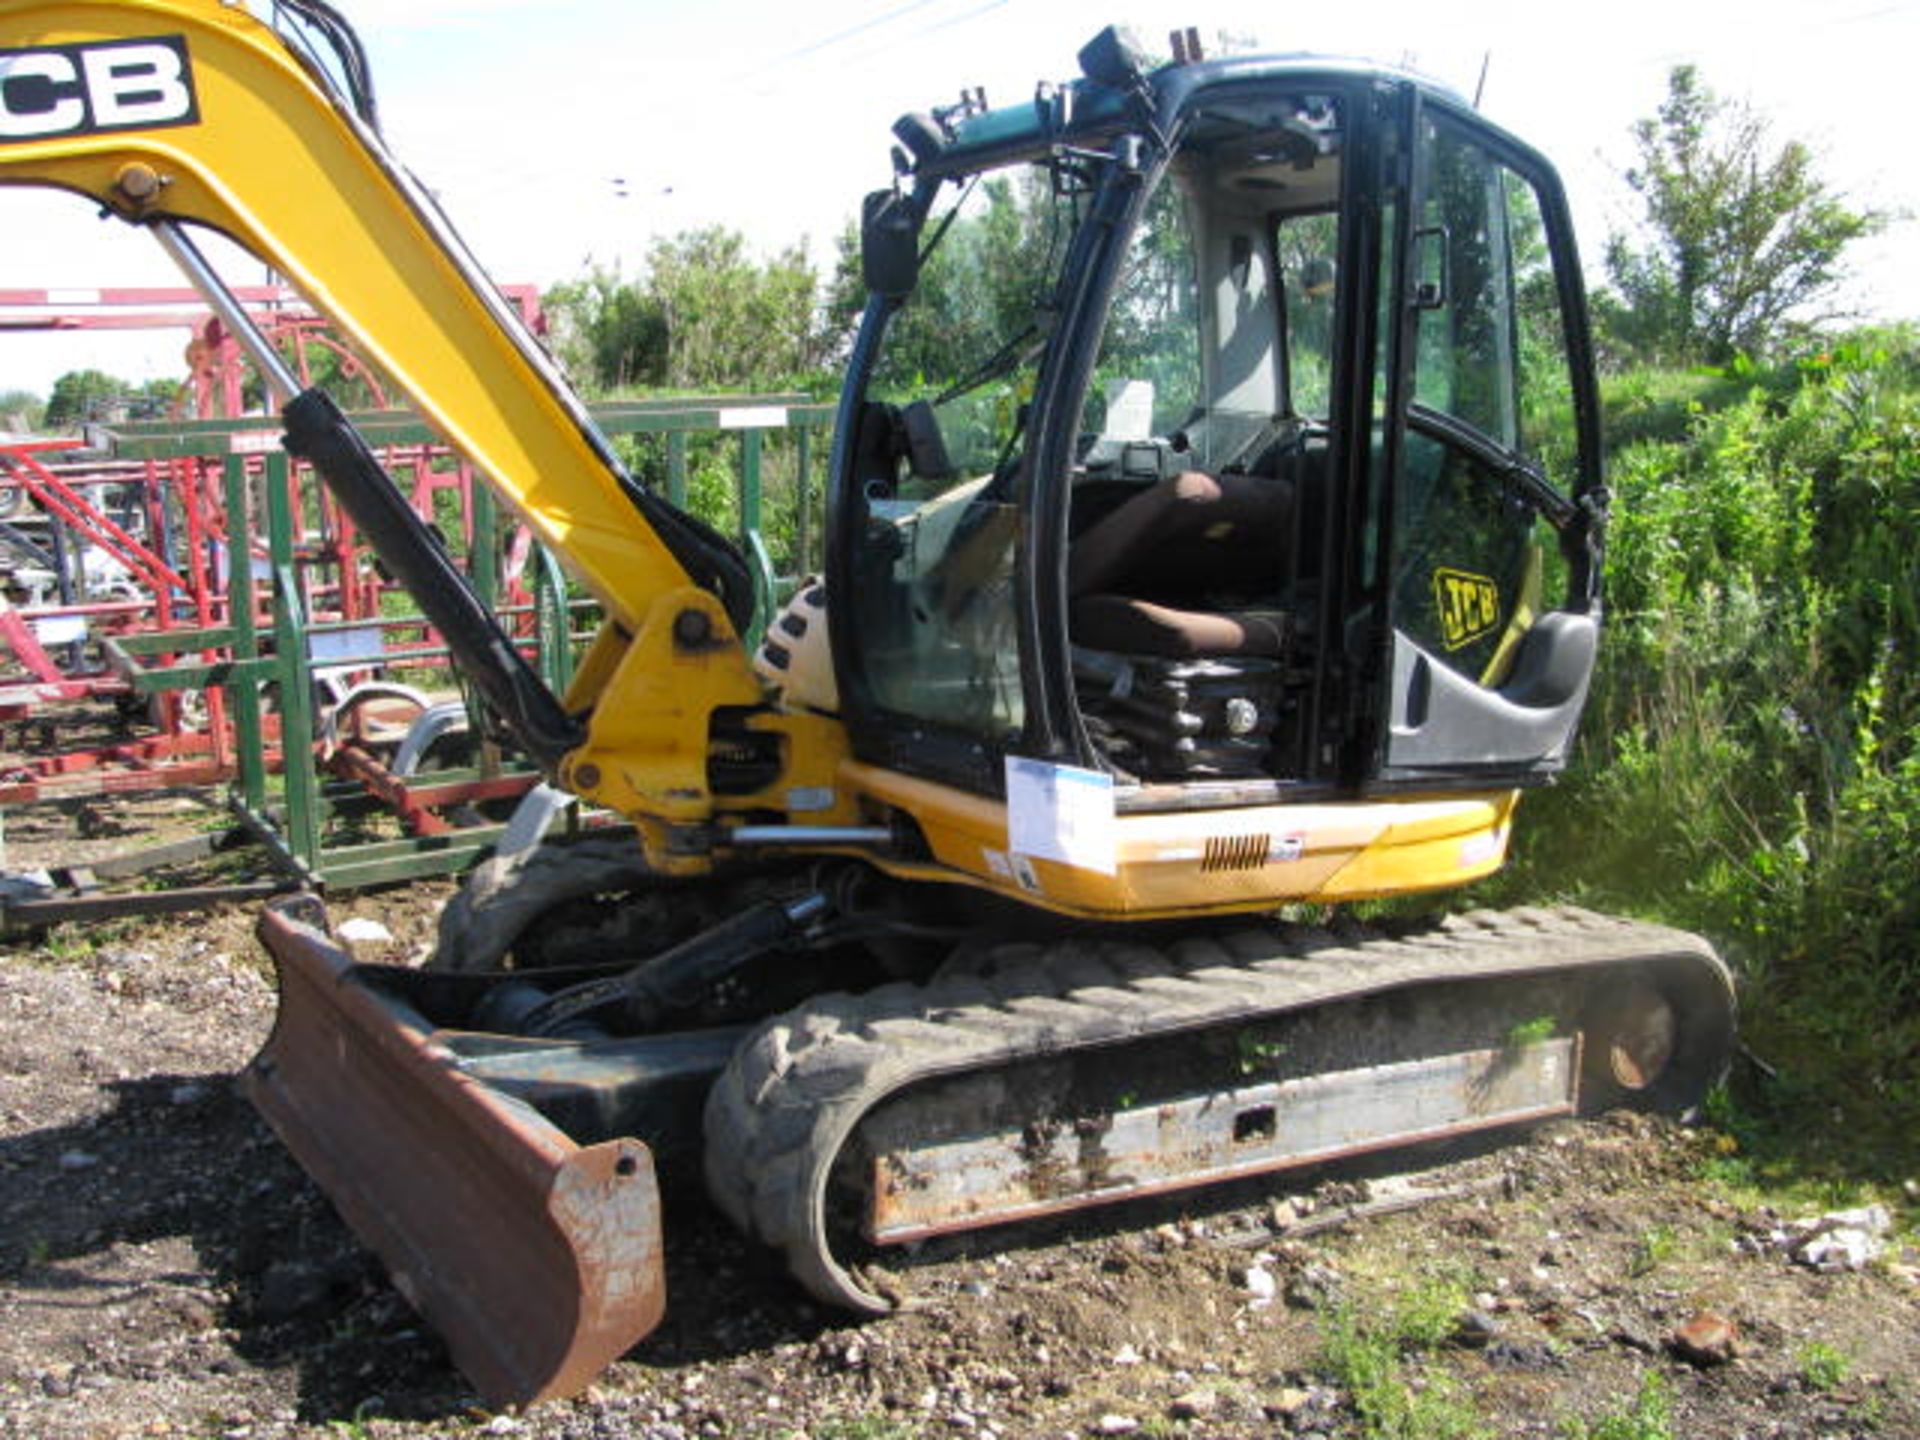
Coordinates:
(1131, 626)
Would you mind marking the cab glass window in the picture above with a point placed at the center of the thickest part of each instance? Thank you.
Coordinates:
(1492, 389)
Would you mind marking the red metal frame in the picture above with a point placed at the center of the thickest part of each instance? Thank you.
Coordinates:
(181, 564)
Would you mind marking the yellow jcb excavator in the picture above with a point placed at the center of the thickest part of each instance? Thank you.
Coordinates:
(1225, 536)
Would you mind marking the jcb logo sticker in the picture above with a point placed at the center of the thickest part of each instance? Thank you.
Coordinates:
(1469, 606)
(80, 89)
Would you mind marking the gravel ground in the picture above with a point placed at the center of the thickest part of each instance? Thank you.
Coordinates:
(165, 1270)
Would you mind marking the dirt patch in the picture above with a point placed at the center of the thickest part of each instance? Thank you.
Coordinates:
(166, 1270)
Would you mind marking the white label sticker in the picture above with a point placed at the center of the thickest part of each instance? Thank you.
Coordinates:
(1061, 812)
(1285, 849)
(997, 863)
(1024, 872)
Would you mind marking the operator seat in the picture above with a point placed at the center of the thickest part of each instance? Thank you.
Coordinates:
(1145, 578)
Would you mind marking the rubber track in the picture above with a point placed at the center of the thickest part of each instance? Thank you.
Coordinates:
(800, 1084)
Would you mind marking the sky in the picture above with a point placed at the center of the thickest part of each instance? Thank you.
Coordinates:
(564, 133)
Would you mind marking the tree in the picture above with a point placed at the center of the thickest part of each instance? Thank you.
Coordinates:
(705, 315)
(20, 410)
(80, 396)
(1741, 236)
(730, 320)
(606, 330)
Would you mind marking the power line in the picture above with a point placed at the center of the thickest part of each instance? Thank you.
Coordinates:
(933, 29)
(851, 31)
(590, 173)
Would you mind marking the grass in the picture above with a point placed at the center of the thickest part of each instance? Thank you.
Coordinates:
(1531, 1032)
(1426, 1313)
(863, 1427)
(1257, 1056)
(1655, 1249)
(1781, 1141)
(1365, 1359)
(70, 941)
(1370, 1348)
(355, 1426)
(78, 940)
(1647, 1416)
(1823, 1367)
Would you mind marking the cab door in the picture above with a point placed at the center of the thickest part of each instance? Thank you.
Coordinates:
(1489, 555)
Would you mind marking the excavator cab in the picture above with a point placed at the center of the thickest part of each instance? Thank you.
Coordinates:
(1226, 427)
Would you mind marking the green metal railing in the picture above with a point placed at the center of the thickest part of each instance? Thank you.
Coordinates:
(757, 455)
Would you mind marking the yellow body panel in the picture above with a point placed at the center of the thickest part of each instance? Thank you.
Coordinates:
(646, 750)
(1245, 858)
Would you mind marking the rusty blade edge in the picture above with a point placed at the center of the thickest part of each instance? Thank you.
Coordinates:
(537, 1260)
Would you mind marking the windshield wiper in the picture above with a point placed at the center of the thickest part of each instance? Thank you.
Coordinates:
(1520, 473)
(1003, 360)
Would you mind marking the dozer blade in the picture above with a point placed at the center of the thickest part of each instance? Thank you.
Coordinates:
(535, 1258)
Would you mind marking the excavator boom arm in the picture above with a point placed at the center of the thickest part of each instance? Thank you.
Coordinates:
(194, 110)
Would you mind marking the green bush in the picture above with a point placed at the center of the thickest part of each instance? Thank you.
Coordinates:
(1749, 766)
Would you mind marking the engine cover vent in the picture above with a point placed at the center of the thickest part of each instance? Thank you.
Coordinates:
(1236, 852)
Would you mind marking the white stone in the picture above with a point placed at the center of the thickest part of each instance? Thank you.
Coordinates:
(362, 931)
(1841, 1239)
